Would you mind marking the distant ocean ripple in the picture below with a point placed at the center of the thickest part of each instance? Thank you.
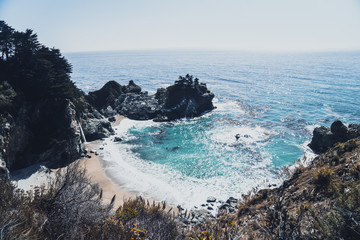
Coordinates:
(273, 101)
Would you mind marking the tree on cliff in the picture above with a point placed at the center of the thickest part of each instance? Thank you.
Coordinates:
(6, 42)
(33, 70)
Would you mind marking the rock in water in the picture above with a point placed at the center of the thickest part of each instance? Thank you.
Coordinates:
(211, 199)
(324, 138)
(186, 98)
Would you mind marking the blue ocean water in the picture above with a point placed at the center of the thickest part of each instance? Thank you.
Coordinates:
(273, 101)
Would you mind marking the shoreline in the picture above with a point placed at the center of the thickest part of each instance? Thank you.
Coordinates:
(96, 174)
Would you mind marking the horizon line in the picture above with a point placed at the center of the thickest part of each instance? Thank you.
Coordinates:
(215, 50)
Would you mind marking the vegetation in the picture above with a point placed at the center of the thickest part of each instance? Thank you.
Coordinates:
(32, 70)
(70, 207)
(187, 80)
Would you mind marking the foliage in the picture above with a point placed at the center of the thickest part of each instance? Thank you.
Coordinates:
(33, 70)
(187, 80)
(70, 208)
(7, 95)
(322, 177)
(342, 221)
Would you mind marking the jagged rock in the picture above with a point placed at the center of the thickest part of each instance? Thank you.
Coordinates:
(324, 138)
(131, 88)
(117, 139)
(95, 126)
(104, 99)
(186, 98)
(105, 96)
(137, 106)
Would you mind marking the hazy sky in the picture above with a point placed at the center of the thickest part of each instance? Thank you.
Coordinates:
(261, 25)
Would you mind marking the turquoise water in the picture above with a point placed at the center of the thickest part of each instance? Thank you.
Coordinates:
(273, 101)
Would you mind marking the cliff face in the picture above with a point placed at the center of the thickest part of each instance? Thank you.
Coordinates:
(318, 202)
(38, 132)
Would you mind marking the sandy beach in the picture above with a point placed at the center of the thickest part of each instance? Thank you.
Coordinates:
(95, 173)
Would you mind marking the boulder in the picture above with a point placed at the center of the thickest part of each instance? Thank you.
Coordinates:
(324, 138)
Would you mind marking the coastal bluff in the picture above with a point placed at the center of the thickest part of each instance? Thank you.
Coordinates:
(52, 130)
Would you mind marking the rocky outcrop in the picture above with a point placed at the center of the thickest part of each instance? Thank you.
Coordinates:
(303, 206)
(186, 98)
(104, 99)
(137, 106)
(41, 132)
(95, 125)
(324, 138)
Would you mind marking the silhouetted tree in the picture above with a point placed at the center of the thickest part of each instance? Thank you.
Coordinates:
(33, 70)
(6, 40)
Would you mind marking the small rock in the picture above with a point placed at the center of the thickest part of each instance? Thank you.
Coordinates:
(232, 200)
(88, 156)
(210, 208)
(117, 139)
(112, 119)
(194, 221)
(224, 206)
(211, 199)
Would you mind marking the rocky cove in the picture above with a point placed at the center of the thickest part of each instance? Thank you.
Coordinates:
(45, 119)
(259, 213)
(61, 119)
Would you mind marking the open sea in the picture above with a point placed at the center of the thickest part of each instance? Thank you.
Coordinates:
(274, 101)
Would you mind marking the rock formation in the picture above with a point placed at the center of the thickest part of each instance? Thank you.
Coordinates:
(53, 130)
(186, 98)
(324, 138)
(40, 132)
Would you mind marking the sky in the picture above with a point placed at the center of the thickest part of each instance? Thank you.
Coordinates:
(248, 25)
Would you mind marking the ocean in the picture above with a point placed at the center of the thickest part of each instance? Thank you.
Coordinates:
(273, 101)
